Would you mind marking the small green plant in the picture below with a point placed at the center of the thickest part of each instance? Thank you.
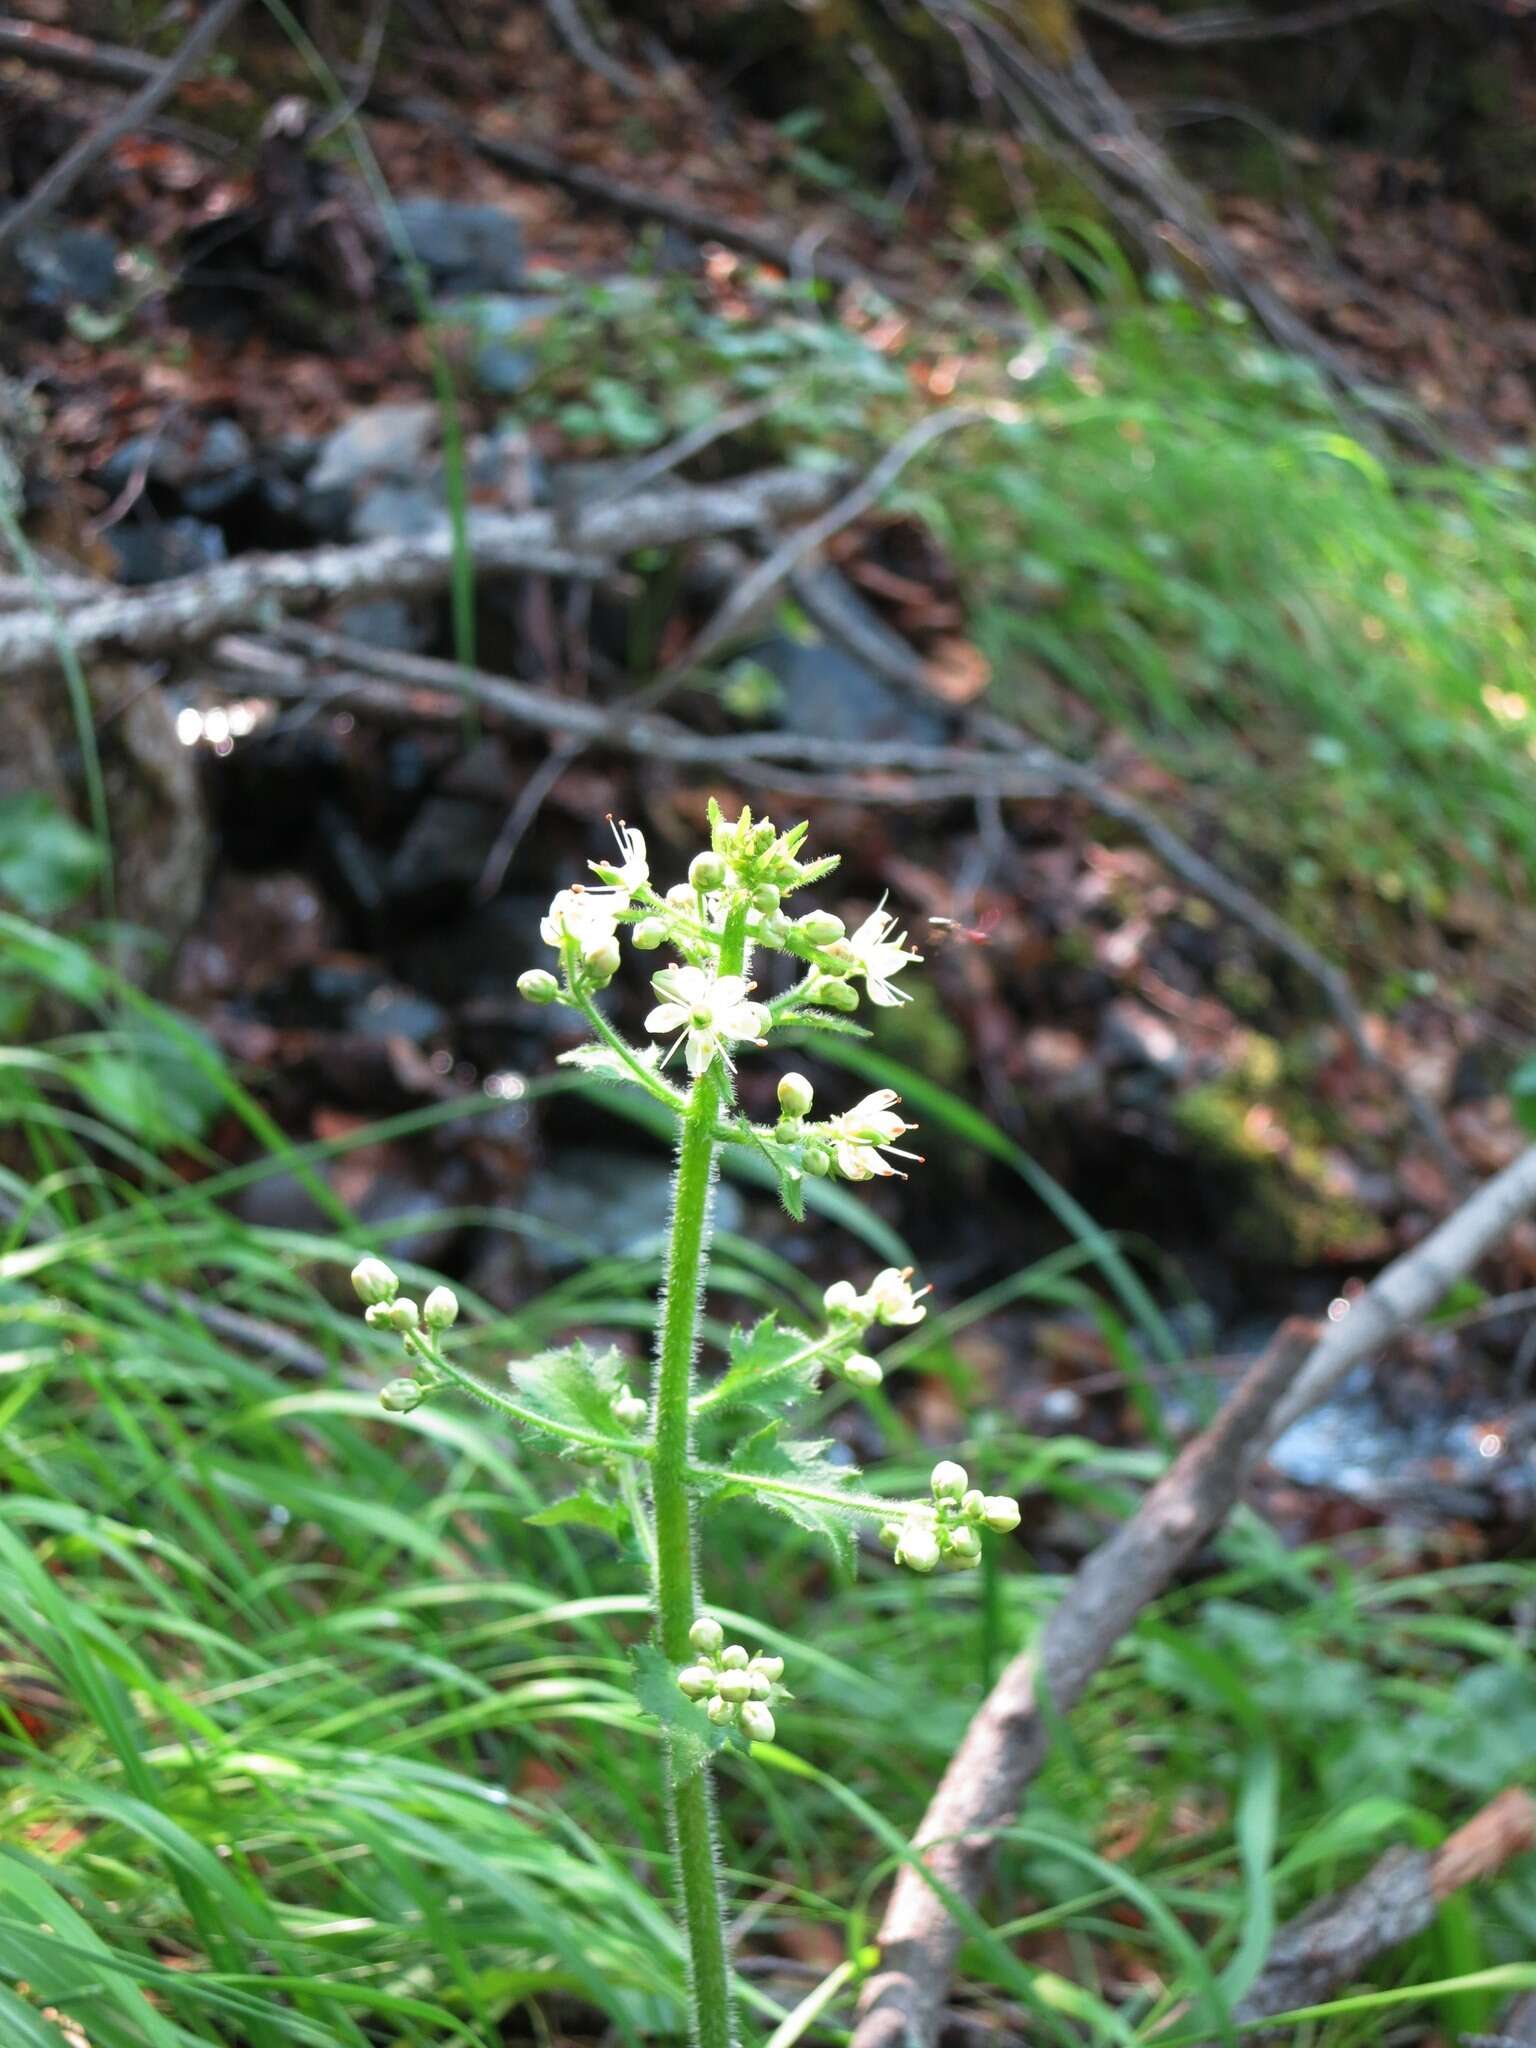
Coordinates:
(656, 1461)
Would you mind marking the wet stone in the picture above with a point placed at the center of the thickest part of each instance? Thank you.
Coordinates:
(464, 248)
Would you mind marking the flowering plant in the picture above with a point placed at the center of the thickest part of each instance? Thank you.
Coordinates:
(657, 1459)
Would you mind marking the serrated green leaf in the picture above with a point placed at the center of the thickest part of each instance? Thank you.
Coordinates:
(766, 1456)
(693, 1733)
(586, 1508)
(765, 1372)
(573, 1389)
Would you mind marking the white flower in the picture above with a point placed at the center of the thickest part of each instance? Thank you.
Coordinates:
(891, 1298)
(630, 872)
(585, 915)
(861, 1134)
(880, 957)
(712, 1011)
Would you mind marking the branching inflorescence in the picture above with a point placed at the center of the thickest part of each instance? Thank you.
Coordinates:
(651, 1462)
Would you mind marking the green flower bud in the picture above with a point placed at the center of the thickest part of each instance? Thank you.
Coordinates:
(771, 931)
(757, 1722)
(735, 1686)
(964, 1542)
(918, 1547)
(373, 1283)
(631, 1410)
(861, 1371)
(706, 1635)
(603, 963)
(817, 1158)
(401, 1396)
(772, 1668)
(681, 897)
(761, 1688)
(720, 1710)
(734, 1657)
(1001, 1513)
(821, 927)
(890, 1535)
(401, 1314)
(440, 1310)
(973, 1504)
(706, 871)
(538, 985)
(948, 1480)
(696, 1681)
(795, 1095)
(836, 995)
(765, 898)
(648, 934)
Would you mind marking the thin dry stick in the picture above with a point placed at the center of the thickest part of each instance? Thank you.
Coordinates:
(57, 49)
(1006, 1743)
(1230, 25)
(190, 610)
(63, 176)
(1328, 1946)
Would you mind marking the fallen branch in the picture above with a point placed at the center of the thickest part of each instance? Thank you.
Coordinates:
(1006, 1743)
(190, 610)
(59, 49)
(1233, 25)
(1330, 1945)
(61, 177)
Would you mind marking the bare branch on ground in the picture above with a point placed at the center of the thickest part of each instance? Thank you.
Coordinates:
(1006, 1743)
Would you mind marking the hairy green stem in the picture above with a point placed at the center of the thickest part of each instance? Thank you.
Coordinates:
(690, 1789)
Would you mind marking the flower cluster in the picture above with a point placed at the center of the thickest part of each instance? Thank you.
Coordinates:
(731, 906)
(889, 1299)
(733, 1686)
(947, 1534)
(377, 1287)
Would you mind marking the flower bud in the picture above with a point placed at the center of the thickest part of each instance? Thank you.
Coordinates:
(757, 1722)
(836, 995)
(631, 1409)
(948, 1480)
(720, 1709)
(821, 927)
(765, 898)
(706, 1635)
(817, 1158)
(795, 1095)
(772, 1668)
(735, 1686)
(696, 1680)
(401, 1314)
(538, 985)
(734, 1657)
(603, 963)
(973, 1504)
(761, 1686)
(401, 1396)
(440, 1310)
(706, 871)
(1001, 1513)
(917, 1547)
(681, 897)
(964, 1542)
(771, 931)
(648, 934)
(842, 1298)
(373, 1283)
(862, 1371)
(890, 1535)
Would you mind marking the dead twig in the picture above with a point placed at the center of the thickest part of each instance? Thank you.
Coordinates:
(1006, 1743)
(59, 49)
(191, 610)
(1233, 25)
(61, 177)
(1328, 1946)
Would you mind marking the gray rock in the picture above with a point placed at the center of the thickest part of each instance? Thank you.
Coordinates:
(387, 622)
(825, 692)
(385, 441)
(496, 320)
(207, 463)
(464, 248)
(397, 511)
(69, 266)
(611, 1205)
(150, 550)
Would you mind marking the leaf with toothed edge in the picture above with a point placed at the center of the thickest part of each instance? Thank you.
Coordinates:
(766, 1457)
(758, 1377)
(586, 1508)
(575, 1390)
